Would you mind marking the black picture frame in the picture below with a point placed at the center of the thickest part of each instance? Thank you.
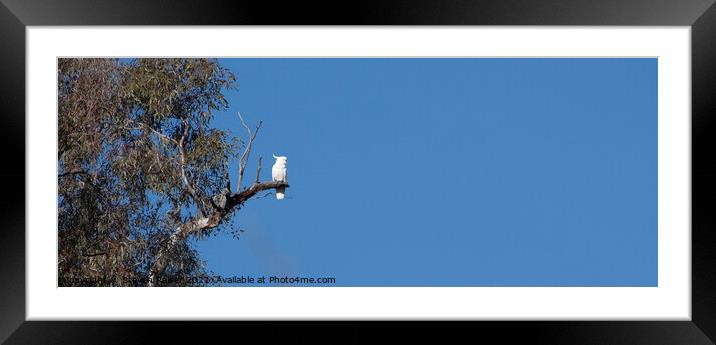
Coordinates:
(699, 15)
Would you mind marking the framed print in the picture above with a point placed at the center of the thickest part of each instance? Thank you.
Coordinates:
(534, 171)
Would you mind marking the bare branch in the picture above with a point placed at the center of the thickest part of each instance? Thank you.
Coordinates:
(243, 123)
(247, 151)
(239, 198)
(258, 171)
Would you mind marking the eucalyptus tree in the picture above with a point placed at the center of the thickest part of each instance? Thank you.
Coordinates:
(141, 170)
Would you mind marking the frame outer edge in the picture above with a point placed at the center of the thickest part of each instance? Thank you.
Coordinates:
(12, 90)
(12, 168)
(366, 12)
(703, 256)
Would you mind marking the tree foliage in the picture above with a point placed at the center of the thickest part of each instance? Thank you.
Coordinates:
(140, 168)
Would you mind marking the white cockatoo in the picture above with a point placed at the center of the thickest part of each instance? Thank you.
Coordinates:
(278, 173)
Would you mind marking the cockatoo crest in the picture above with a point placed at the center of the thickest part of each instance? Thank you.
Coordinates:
(281, 159)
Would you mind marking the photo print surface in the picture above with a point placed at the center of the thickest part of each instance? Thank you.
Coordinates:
(403, 172)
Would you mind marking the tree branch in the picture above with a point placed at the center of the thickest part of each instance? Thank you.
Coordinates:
(247, 151)
(182, 158)
(198, 224)
(209, 218)
(227, 178)
(182, 167)
(258, 171)
(237, 199)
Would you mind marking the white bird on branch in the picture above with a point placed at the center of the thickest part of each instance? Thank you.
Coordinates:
(278, 174)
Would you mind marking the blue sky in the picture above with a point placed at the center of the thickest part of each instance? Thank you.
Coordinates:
(449, 172)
